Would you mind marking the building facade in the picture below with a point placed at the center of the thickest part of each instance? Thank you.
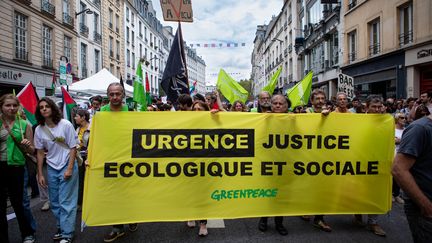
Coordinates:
(196, 70)
(89, 42)
(113, 36)
(35, 35)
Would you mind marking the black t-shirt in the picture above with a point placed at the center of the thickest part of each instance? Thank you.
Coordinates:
(417, 142)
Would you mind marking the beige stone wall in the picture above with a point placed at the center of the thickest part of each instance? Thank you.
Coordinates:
(387, 11)
(34, 31)
(107, 61)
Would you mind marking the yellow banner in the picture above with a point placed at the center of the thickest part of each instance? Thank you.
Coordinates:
(176, 166)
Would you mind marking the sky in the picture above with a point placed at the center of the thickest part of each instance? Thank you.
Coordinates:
(223, 21)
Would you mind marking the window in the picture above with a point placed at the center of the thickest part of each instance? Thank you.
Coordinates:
(374, 37)
(333, 49)
(140, 50)
(83, 16)
(133, 60)
(406, 24)
(140, 29)
(66, 7)
(67, 47)
(315, 13)
(132, 18)
(128, 57)
(133, 38)
(117, 23)
(118, 50)
(111, 14)
(110, 46)
(111, 68)
(127, 14)
(46, 46)
(145, 33)
(20, 37)
(352, 46)
(145, 53)
(352, 4)
(97, 60)
(83, 60)
(127, 34)
(96, 22)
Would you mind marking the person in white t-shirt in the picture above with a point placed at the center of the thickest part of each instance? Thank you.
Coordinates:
(58, 137)
(400, 121)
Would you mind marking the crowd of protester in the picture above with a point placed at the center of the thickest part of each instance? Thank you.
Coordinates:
(60, 147)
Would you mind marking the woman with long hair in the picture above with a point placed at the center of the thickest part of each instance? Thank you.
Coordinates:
(238, 106)
(15, 141)
(58, 137)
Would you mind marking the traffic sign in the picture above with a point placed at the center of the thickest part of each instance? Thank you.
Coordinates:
(62, 71)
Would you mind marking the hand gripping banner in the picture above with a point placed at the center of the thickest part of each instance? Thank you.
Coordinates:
(178, 166)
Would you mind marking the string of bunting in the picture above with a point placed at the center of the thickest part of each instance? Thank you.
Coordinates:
(217, 45)
(216, 74)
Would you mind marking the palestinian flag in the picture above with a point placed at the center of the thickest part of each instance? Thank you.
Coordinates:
(29, 99)
(68, 104)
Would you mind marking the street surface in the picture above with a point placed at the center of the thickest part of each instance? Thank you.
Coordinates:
(231, 230)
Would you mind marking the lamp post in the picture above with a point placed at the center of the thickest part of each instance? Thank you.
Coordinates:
(86, 11)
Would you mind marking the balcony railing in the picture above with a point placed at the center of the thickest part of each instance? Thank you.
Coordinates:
(21, 54)
(28, 2)
(374, 49)
(97, 3)
(48, 8)
(352, 4)
(84, 30)
(97, 37)
(47, 62)
(83, 72)
(68, 20)
(352, 56)
(406, 38)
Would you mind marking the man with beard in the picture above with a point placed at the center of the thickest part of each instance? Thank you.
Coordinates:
(264, 104)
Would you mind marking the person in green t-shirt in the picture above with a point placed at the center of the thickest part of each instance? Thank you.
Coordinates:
(115, 93)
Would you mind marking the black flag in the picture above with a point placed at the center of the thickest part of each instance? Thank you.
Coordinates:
(175, 78)
(121, 81)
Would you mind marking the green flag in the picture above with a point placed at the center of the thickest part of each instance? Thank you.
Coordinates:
(273, 81)
(138, 92)
(230, 88)
(299, 94)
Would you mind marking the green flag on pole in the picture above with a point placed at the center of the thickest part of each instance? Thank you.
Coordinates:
(230, 88)
(138, 92)
(300, 93)
(270, 87)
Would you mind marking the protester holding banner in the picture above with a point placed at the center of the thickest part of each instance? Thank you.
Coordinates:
(279, 104)
(400, 121)
(238, 106)
(184, 102)
(58, 137)
(15, 142)
(412, 169)
(199, 106)
(318, 98)
(116, 93)
(264, 104)
(82, 118)
(341, 103)
(373, 104)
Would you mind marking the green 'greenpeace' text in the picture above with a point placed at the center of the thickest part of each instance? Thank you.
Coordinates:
(243, 193)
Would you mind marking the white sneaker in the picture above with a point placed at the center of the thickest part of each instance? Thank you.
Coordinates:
(29, 239)
(398, 199)
(46, 206)
(191, 224)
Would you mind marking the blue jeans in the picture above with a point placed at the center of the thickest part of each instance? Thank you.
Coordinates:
(63, 195)
(420, 226)
(26, 201)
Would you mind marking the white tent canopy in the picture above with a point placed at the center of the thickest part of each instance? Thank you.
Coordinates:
(98, 84)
